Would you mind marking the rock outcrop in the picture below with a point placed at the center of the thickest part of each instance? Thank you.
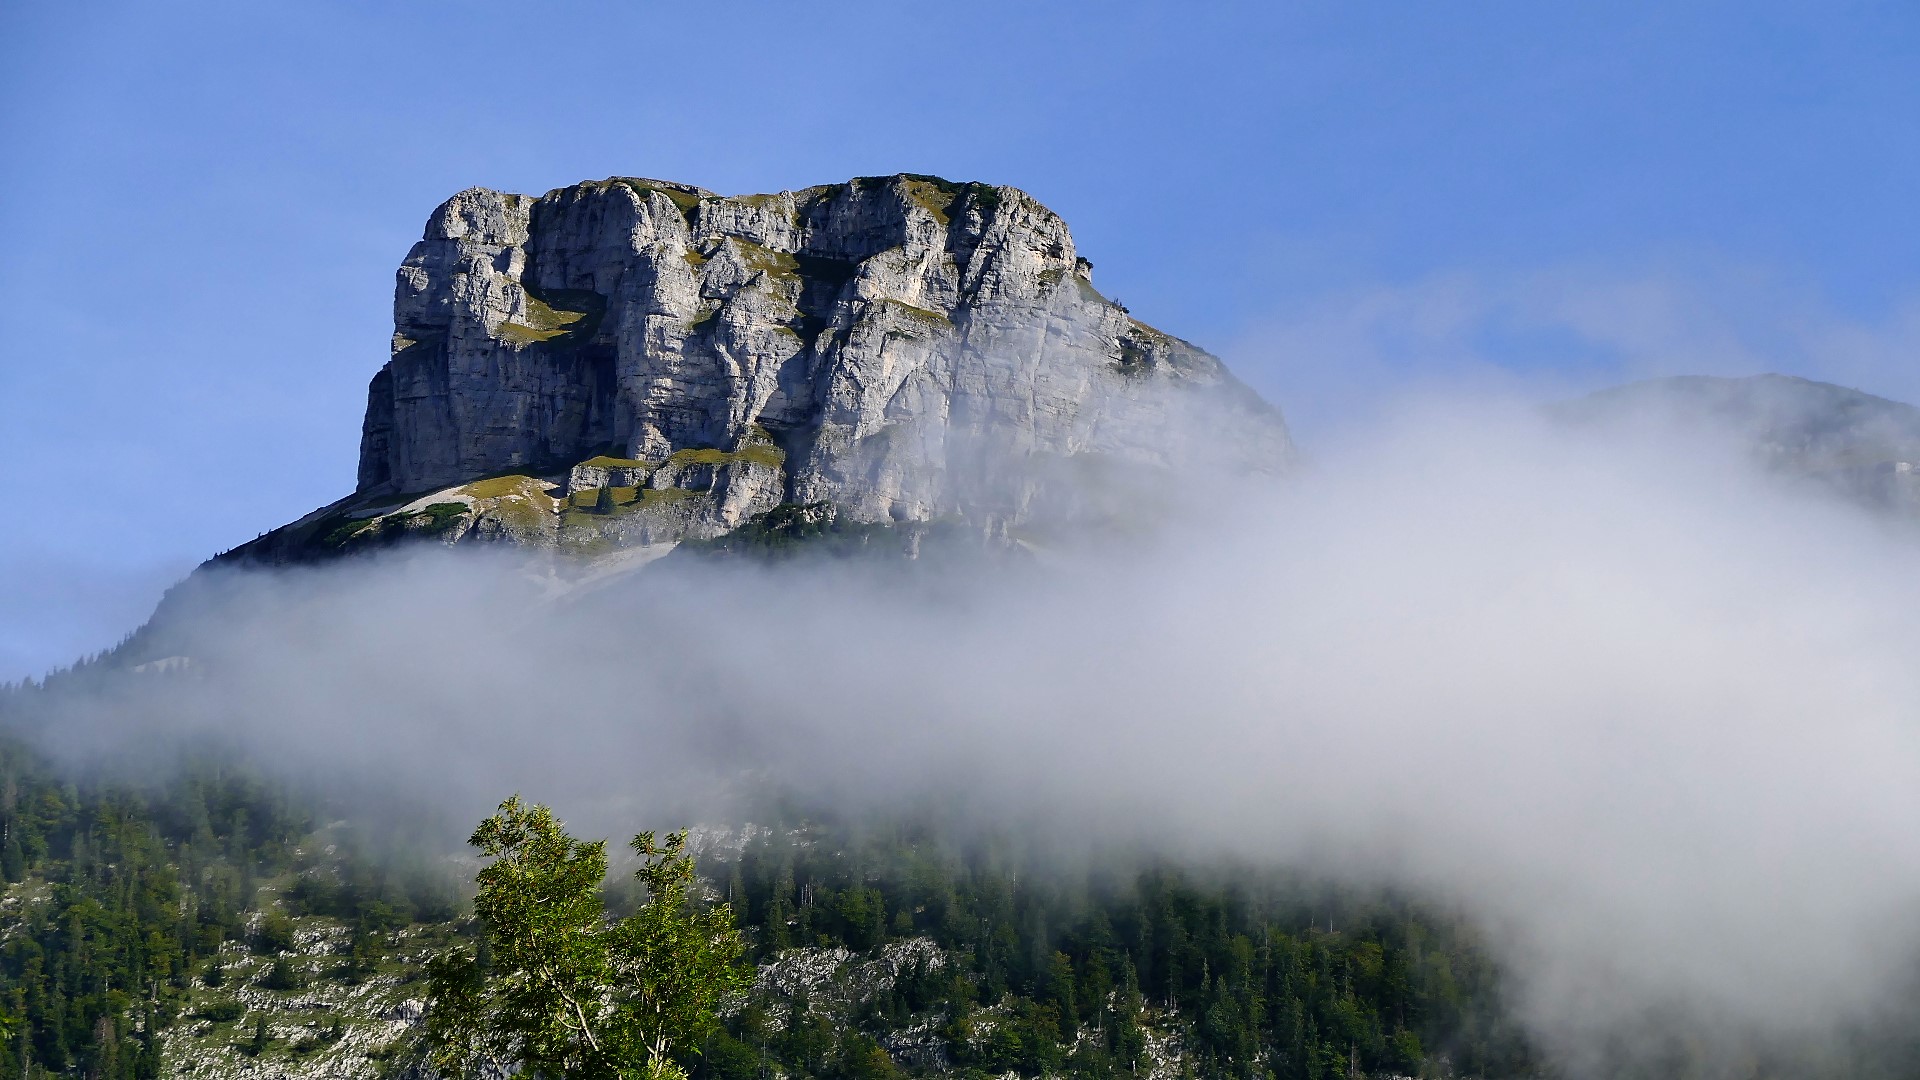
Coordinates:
(902, 348)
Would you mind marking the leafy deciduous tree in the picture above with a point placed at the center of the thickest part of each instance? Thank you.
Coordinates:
(560, 989)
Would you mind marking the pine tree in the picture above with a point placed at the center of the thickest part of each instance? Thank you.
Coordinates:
(1060, 988)
(281, 976)
(13, 861)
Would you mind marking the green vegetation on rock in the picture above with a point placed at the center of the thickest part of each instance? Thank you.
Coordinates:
(649, 497)
(436, 517)
(605, 461)
(686, 202)
(774, 263)
(342, 532)
(552, 314)
(986, 197)
(751, 453)
(499, 487)
(933, 195)
(925, 315)
(587, 510)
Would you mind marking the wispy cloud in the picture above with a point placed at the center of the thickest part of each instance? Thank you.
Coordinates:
(1558, 331)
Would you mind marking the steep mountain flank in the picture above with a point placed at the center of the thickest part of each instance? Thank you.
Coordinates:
(632, 361)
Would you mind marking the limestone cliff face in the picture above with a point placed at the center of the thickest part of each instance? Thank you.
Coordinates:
(901, 347)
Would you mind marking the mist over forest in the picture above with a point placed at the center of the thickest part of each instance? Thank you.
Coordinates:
(1630, 712)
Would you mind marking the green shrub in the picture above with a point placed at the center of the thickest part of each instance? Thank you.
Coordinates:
(282, 976)
(273, 935)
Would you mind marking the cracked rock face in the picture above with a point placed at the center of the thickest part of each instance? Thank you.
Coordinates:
(902, 347)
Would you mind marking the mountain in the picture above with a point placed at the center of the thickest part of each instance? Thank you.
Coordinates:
(1861, 446)
(635, 361)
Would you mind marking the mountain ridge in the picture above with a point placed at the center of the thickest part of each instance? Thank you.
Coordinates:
(1858, 445)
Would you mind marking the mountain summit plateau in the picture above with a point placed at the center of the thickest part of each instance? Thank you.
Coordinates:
(635, 361)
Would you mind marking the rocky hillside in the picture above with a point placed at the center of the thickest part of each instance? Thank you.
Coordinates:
(1864, 447)
(635, 361)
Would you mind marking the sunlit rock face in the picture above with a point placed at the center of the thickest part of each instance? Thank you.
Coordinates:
(903, 348)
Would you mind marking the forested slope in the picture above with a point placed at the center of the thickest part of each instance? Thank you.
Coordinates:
(207, 919)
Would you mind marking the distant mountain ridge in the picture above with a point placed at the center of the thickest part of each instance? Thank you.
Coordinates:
(636, 361)
(1863, 446)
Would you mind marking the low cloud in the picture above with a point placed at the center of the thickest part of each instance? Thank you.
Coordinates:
(1559, 331)
(1643, 713)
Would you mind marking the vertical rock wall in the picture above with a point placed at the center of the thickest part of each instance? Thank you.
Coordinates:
(917, 348)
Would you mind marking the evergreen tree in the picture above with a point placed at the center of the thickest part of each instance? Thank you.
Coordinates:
(281, 976)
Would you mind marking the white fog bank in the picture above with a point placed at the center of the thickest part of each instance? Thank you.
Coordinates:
(1650, 718)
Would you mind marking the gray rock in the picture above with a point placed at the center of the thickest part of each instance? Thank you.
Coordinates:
(901, 347)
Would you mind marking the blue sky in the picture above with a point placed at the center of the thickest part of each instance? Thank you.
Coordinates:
(204, 205)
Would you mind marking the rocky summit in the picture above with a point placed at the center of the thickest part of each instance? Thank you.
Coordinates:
(636, 361)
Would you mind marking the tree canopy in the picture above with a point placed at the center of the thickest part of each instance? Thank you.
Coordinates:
(555, 985)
